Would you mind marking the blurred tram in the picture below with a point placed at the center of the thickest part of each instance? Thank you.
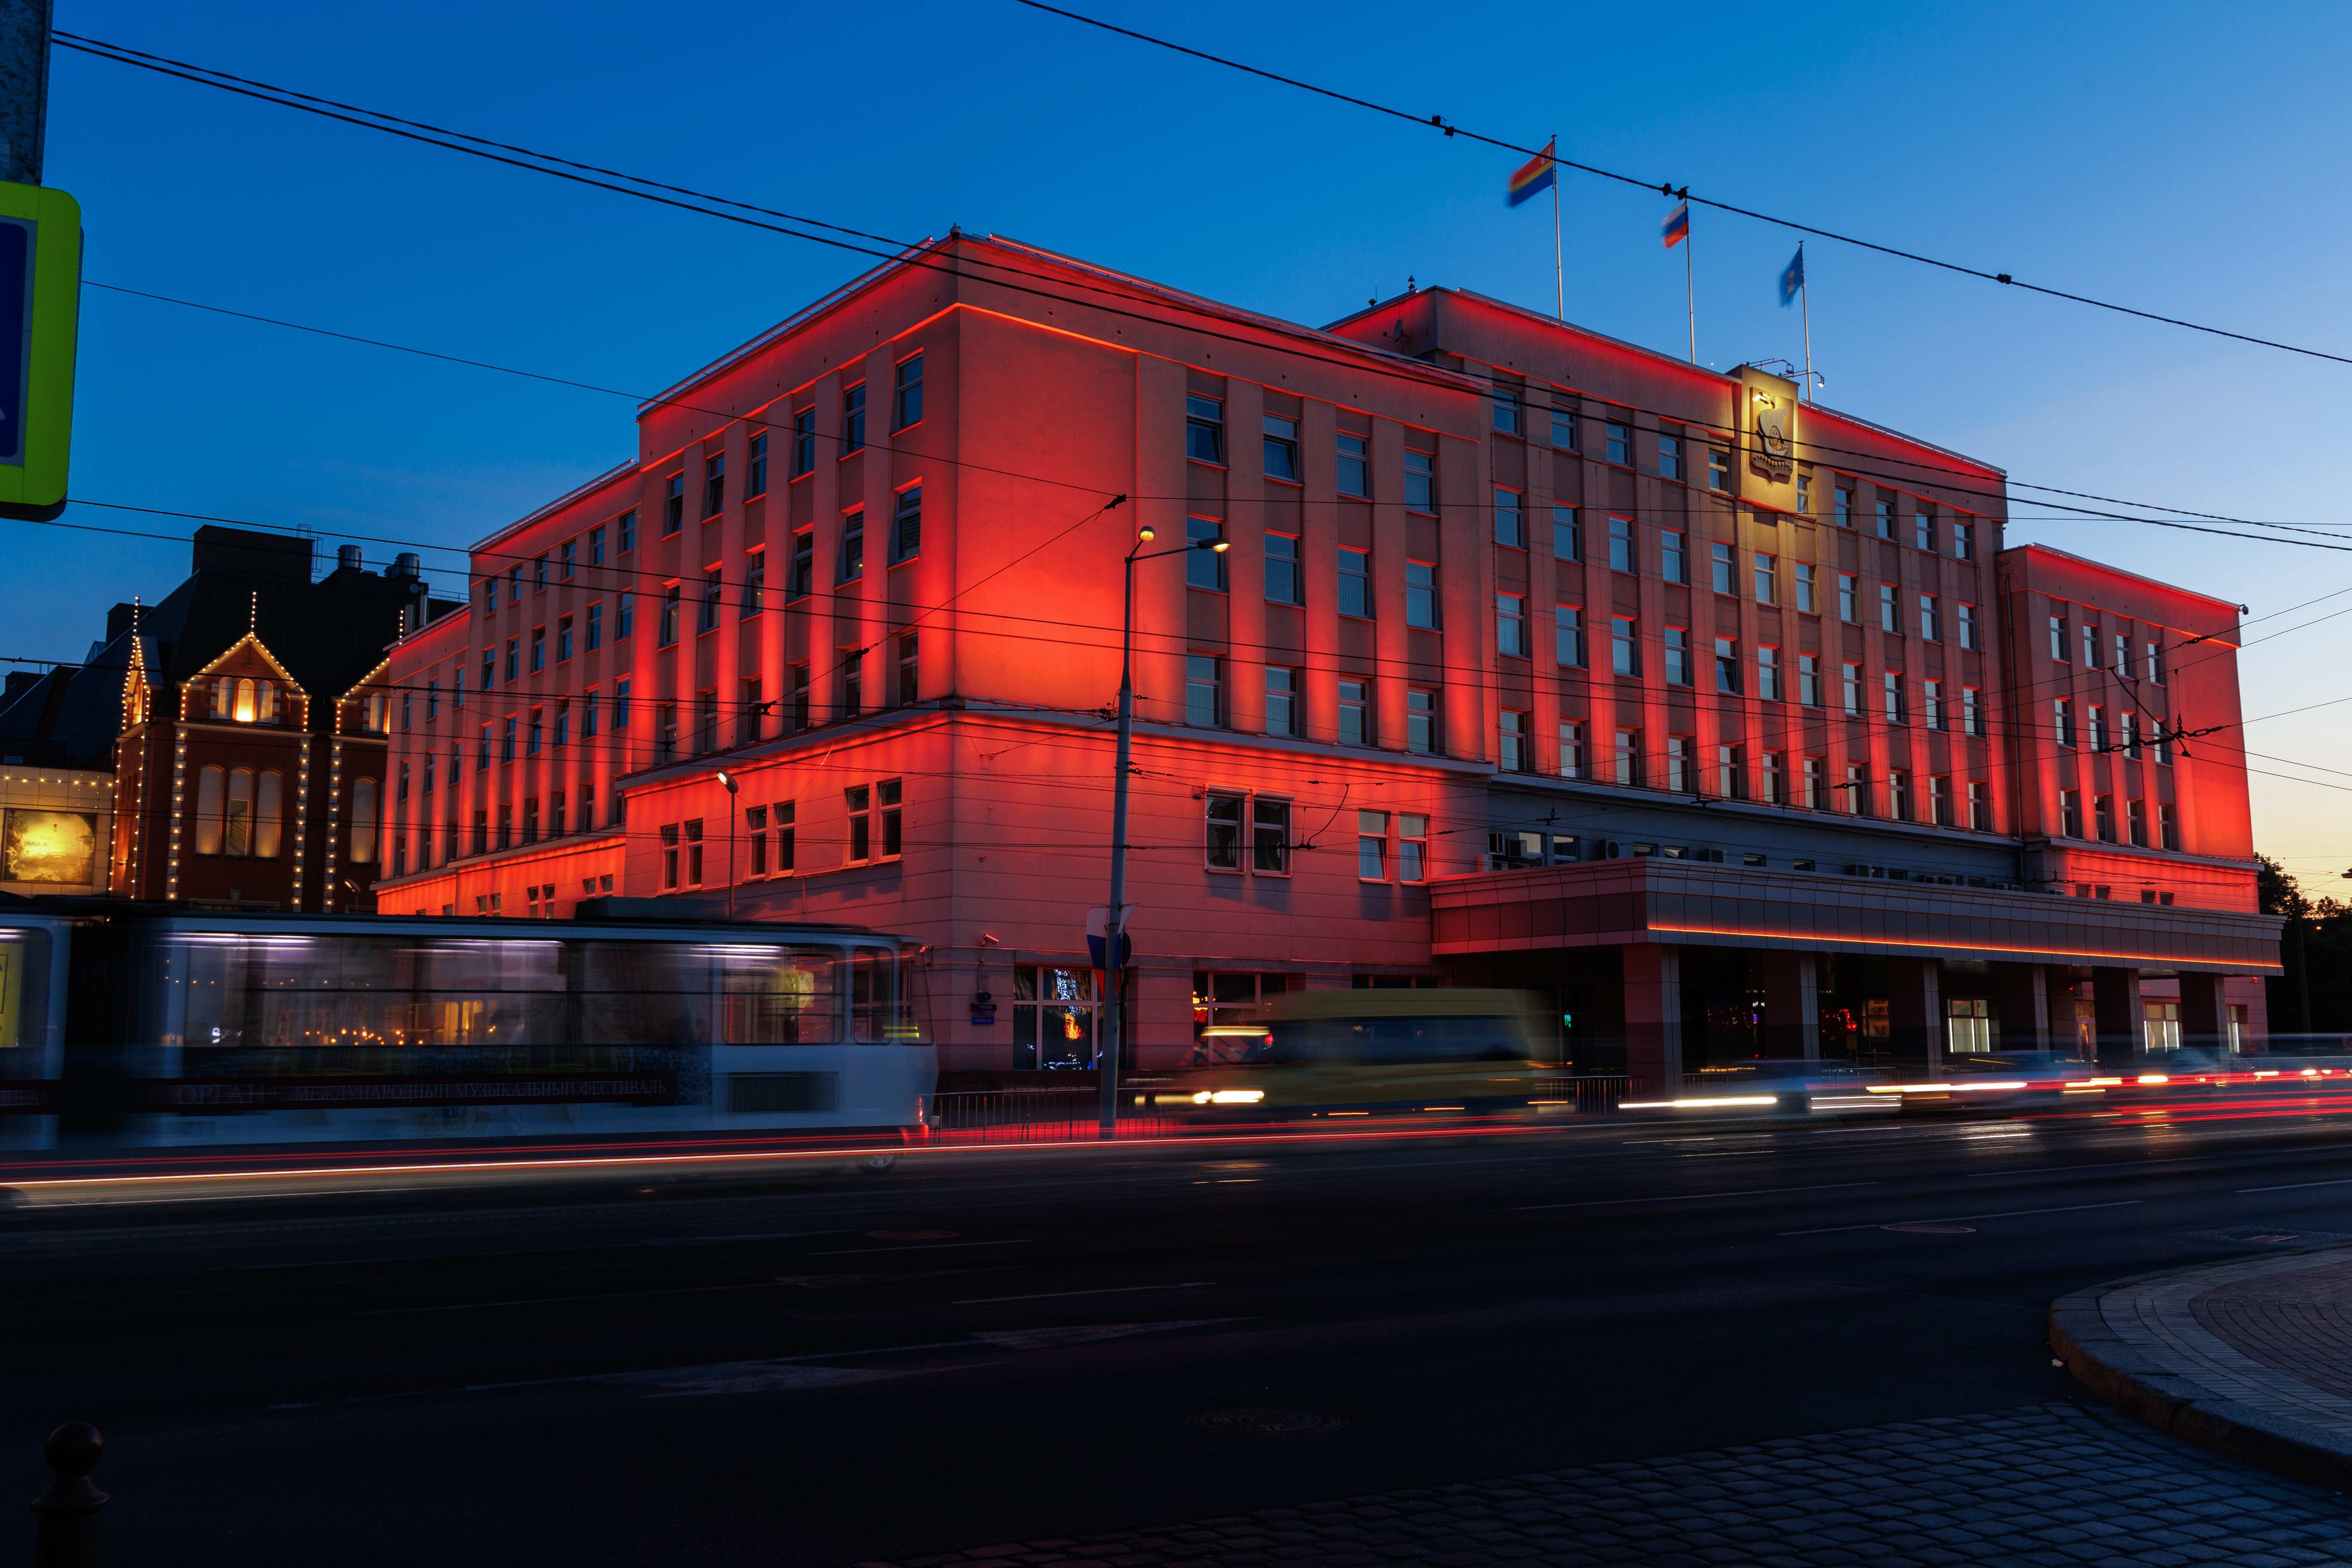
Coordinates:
(172, 1027)
(1326, 1052)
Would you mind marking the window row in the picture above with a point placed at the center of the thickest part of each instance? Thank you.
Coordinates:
(2119, 646)
(2130, 736)
(2102, 820)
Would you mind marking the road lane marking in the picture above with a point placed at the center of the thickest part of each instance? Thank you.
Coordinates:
(1953, 1218)
(1695, 1197)
(1110, 1291)
(918, 1247)
(2291, 1186)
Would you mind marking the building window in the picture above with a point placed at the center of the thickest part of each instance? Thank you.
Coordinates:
(1413, 848)
(1571, 748)
(1054, 1015)
(853, 546)
(852, 665)
(1356, 712)
(1270, 836)
(853, 419)
(1371, 846)
(1964, 540)
(1720, 564)
(1805, 491)
(1421, 595)
(1281, 701)
(533, 735)
(1718, 468)
(2167, 826)
(907, 393)
(670, 855)
(714, 485)
(507, 741)
(712, 590)
(1511, 752)
(1893, 685)
(1619, 446)
(514, 659)
(1421, 720)
(669, 615)
(1511, 625)
(1567, 535)
(803, 581)
(1852, 673)
(1848, 597)
(1857, 789)
(665, 732)
(563, 641)
(1507, 413)
(2090, 647)
(2135, 818)
(1807, 588)
(1931, 704)
(1842, 505)
(857, 801)
(1670, 457)
(1224, 832)
(624, 615)
(1354, 453)
(755, 474)
(1767, 674)
(1939, 800)
(1281, 448)
(1889, 615)
(2063, 721)
(1980, 807)
(1568, 636)
(673, 503)
(2152, 658)
(1284, 582)
(1931, 623)
(2094, 728)
(2058, 639)
(620, 704)
(1355, 582)
(755, 581)
(1886, 517)
(2103, 808)
(2123, 655)
(1622, 557)
(1624, 645)
(531, 824)
(2127, 733)
(909, 662)
(1679, 778)
(538, 573)
(1730, 773)
(784, 812)
(1727, 666)
(1510, 518)
(1809, 785)
(800, 680)
(1204, 690)
(803, 442)
(1673, 557)
(1419, 481)
(1972, 716)
(1968, 627)
(2070, 812)
(1204, 568)
(1204, 429)
(1629, 757)
(1923, 527)
(1767, 580)
(906, 525)
(887, 796)
(1677, 641)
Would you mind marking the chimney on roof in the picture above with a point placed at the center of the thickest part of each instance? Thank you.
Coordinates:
(348, 559)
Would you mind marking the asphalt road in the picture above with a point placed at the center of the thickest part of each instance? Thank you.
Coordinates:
(820, 1367)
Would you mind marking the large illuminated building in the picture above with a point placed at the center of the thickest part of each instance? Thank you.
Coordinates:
(242, 717)
(1534, 659)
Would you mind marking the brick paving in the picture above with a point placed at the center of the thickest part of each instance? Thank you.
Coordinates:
(2295, 1320)
(2059, 1485)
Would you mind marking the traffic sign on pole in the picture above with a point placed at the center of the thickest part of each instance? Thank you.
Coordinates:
(40, 299)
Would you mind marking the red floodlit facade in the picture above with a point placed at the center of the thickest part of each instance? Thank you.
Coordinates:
(1504, 604)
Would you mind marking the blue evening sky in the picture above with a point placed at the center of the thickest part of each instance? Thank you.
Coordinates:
(2177, 158)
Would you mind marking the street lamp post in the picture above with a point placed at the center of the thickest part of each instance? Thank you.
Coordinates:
(729, 780)
(1106, 1053)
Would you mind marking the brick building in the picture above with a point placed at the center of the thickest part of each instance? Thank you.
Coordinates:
(1534, 658)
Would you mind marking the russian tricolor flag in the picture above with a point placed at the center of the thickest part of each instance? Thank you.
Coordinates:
(1676, 228)
(1535, 176)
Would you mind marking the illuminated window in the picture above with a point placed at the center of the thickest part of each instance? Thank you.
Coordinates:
(1419, 481)
(366, 815)
(1204, 429)
(1355, 466)
(212, 789)
(1054, 1017)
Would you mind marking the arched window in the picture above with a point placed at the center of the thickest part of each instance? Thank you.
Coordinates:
(265, 709)
(236, 826)
(224, 696)
(209, 782)
(363, 821)
(244, 714)
(269, 815)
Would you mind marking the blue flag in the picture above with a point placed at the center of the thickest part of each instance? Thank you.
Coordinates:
(1793, 277)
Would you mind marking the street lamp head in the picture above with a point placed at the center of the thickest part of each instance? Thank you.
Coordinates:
(1146, 534)
(727, 779)
(1218, 545)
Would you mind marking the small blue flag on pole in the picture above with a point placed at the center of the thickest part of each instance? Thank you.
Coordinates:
(1793, 277)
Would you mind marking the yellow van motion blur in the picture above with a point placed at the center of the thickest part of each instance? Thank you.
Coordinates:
(1342, 1052)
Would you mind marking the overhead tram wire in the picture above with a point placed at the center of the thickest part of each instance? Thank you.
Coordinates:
(683, 198)
(1681, 191)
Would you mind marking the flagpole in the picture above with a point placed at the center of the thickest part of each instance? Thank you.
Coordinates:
(1805, 307)
(1690, 298)
(1559, 269)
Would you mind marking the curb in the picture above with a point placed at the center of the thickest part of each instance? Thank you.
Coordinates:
(2125, 1378)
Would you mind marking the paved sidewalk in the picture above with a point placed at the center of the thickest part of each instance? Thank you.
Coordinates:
(2059, 1484)
(2253, 1358)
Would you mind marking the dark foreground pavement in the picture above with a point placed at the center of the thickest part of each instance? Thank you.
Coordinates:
(1026, 1345)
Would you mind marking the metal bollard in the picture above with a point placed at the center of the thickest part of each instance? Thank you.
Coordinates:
(65, 1533)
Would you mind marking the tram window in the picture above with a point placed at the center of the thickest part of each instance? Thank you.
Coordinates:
(298, 991)
(871, 1001)
(778, 996)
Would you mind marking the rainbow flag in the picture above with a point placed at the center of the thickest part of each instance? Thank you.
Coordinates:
(1676, 228)
(1534, 175)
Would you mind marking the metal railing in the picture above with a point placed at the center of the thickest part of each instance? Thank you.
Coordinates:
(1024, 1115)
(1582, 1091)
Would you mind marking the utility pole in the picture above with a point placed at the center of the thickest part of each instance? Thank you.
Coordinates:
(24, 88)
